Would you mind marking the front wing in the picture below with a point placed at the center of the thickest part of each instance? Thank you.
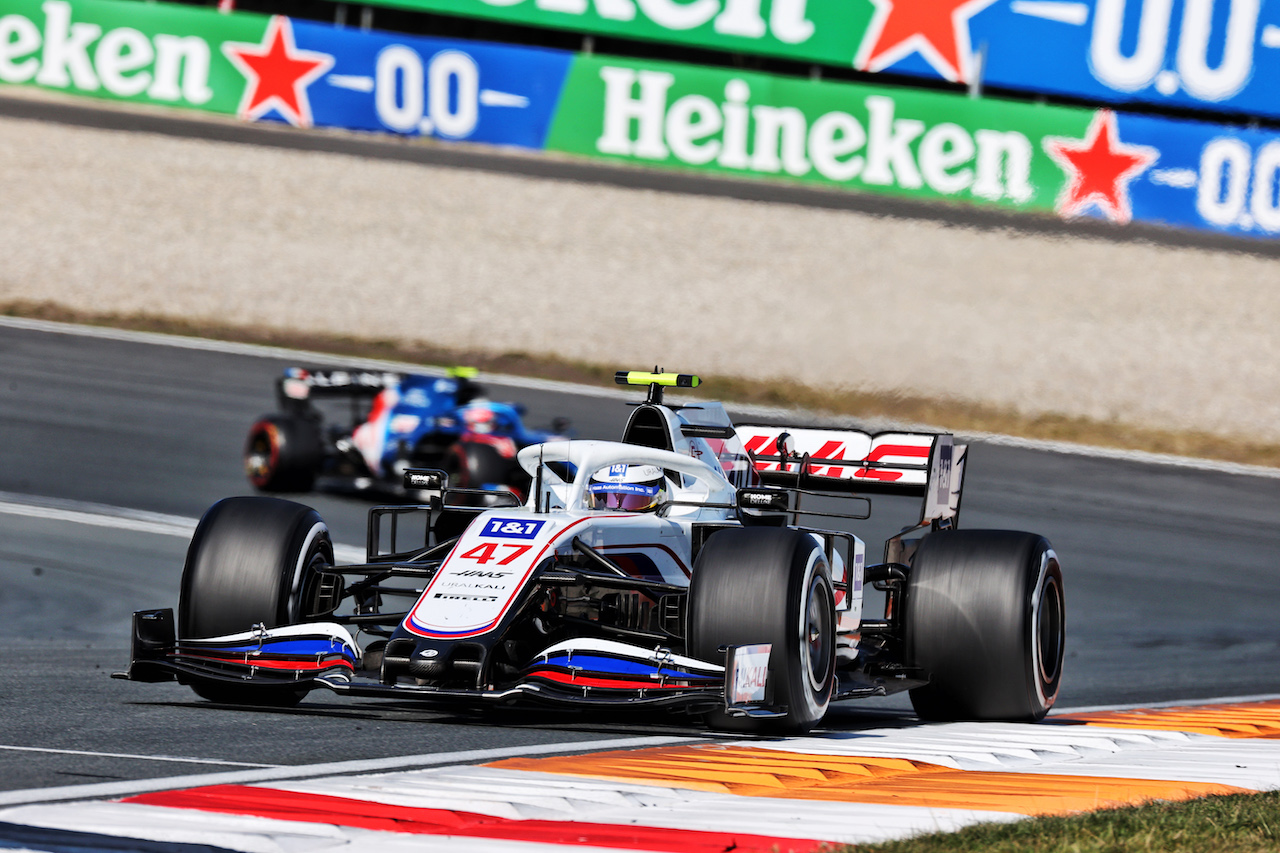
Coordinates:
(585, 672)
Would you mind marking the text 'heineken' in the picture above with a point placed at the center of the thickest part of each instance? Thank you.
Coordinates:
(124, 61)
(875, 148)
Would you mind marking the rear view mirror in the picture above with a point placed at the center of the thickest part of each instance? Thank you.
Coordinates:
(426, 479)
(764, 500)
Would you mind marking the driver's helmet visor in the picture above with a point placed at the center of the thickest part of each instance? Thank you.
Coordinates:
(628, 497)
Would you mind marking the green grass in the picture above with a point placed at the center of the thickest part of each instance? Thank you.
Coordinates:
(956, 416)
(1239, 823)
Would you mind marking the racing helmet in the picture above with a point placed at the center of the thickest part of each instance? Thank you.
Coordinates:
(480, 419)
(630, 488)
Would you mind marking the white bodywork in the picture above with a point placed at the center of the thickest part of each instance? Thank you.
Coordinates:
(481, 579)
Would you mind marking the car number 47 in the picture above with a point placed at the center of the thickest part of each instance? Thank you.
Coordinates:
(486, 552)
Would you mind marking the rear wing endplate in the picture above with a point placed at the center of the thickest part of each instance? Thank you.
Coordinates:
(925, 465)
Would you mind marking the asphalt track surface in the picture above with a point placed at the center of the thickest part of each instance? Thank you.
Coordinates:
(1172, 574)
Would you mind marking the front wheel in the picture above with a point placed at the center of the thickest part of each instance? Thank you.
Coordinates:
(984, 616)
(254, 560)
(768, 585)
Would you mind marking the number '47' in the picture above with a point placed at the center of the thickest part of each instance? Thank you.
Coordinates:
(483, 554)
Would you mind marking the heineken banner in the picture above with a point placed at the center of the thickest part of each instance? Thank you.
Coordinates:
(1221, 55)
(928, 145)
(276, 68)
(1063, 161)
(1215, 54)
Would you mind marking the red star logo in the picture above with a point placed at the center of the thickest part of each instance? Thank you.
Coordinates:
(936, 29)
(1098, 168)
(277, 74)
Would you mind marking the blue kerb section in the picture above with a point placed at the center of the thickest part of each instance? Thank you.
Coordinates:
(619, 666)
(15, 836)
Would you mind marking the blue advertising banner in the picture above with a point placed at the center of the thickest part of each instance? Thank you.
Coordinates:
(430, 87)
(1118, 166)
(1207, 54)
(1040, 159)
(1221, 55)
(1072, 162)
(1203, 176)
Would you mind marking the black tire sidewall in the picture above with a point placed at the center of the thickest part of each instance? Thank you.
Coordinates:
(1050, 573)
(248, 564)
(810, 570)
(295, 452)
(970, 621)
(475, 464)
(750, 587)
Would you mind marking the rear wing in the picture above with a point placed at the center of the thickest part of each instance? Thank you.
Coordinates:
(915, 464)
(300, 384)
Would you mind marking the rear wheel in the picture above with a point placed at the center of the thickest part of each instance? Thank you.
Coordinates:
(984, 616)
(473, 465)
(768, 585)
(254, 560)
(282, 453)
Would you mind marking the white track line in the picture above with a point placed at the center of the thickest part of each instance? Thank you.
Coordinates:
(1176, 703)
(123, 518)
(176, 759)
(1139, 456)
(262, 351)
(103, 515)
(799, 415)
(245, 777)
(97, 515)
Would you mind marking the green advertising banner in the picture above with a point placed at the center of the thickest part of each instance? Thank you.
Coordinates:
(1197, 54)
(1070, 162)
(899, 141)
(261, 68)
(821, 31)
(155, 52)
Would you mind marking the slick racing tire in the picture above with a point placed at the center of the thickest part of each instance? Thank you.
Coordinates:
(768, 585)
(254, 560)
(282, 453)
(984, 616)
(472, 465)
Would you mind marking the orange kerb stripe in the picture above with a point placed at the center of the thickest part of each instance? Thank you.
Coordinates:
(749, 772)
(1245, 720)
(725, 769)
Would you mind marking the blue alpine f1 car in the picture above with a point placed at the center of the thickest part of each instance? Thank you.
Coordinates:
(393, 421)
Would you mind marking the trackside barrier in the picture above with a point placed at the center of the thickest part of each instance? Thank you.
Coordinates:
(1046, 160)
(927, 145)
(1221, 55)
(275, 68)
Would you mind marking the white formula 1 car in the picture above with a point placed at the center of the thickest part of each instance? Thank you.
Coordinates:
(668, 570)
